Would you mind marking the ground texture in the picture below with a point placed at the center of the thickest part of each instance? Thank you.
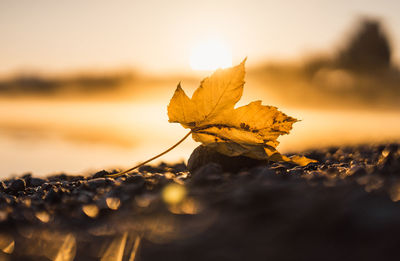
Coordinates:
(345, 207)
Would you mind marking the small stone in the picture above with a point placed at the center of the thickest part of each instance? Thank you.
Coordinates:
(27, 177)
(36, 182)
(17, 185)
(356, 171)
(97, 182)
(46, 186)
(101, 174)
(203, 155)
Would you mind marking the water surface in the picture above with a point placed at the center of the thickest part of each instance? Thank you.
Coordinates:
(48, 136)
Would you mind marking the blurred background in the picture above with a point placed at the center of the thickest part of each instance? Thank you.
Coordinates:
(84, 85)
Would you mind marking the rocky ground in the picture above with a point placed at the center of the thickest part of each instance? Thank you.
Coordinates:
(345, 207)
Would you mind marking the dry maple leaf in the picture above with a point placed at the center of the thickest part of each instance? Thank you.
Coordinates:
(251, 130)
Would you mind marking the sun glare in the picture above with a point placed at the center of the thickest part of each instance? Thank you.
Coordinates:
(210, 55)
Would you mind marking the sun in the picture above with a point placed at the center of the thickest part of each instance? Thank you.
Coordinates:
(210, 55)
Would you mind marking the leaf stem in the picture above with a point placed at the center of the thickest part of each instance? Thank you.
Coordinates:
(153, 158)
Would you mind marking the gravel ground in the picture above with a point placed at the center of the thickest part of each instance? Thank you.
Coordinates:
(345, 207)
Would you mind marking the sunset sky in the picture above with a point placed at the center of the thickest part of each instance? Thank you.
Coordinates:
(159, 36)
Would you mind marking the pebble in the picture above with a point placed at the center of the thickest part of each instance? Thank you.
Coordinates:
(17, 185)
(100, 174)
(203, 155)
(356, 171)
(36, 182)
(97, 182)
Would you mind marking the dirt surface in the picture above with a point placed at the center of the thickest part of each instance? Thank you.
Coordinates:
(345, 207)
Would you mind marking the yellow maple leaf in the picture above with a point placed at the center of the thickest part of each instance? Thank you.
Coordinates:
(251, 130)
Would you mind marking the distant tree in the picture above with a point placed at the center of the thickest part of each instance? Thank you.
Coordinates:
(367, 50)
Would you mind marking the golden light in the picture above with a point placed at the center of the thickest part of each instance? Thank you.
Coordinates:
(113, 203)
(91, 210)
(43, 216)
(210, 55)
(173, 193)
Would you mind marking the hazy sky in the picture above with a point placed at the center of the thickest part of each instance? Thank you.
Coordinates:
(48, 35)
